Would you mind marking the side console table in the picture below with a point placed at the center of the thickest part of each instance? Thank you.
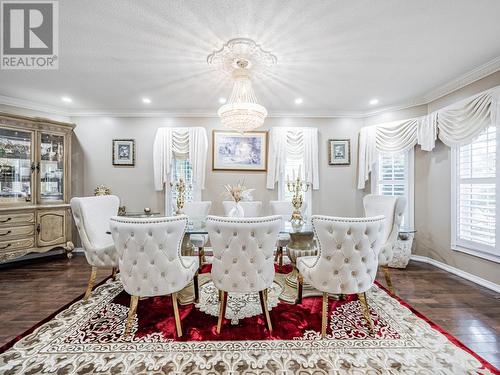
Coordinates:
(402, 248)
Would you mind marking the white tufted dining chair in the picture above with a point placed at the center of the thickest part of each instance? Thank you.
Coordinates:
(91, 216)
(393, 209)
(243, 258)
(250, 208)
(347, 259)
(285, 210)
(198, 211)
(150, 260)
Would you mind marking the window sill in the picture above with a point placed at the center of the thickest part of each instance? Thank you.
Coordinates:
(477, 253)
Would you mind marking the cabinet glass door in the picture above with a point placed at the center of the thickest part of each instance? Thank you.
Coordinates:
(51, 168)
(16, 157)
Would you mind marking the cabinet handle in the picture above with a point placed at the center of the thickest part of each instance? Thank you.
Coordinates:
(6, 220)
(4, 247)
(38, 228)
(38, 167)
(33, 167)
(6, 233)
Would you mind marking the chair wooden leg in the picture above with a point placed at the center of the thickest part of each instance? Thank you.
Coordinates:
(222, 309)
(201, 257)
(277, 255)
(388, 280)
(114, 271)
(196, 288)
(93, 275)
(324, 315)
(366, 310)
(281, 258)
(265, 311)
(177, 317)
(134, 300)
(300, 282)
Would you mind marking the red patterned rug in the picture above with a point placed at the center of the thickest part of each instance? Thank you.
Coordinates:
(86, 337)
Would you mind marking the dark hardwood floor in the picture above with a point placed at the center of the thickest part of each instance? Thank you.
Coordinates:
(31, 291)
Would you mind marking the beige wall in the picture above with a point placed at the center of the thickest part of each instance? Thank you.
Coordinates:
(433, 197)
(338, 195)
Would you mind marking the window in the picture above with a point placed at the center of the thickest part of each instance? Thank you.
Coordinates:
(475, 177)
(394, 176)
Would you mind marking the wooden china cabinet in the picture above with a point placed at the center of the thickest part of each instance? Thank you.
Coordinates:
(35, 186)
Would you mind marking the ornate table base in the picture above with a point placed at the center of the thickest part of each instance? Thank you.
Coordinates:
(301, 244)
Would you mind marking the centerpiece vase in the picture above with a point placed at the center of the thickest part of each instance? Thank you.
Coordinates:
(236, 211)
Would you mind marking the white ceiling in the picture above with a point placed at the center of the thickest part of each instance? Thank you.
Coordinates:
(336, 55)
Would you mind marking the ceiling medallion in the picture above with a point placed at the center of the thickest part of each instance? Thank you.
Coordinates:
(242, 58)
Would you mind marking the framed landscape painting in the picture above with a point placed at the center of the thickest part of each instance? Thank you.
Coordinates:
(339, 151)
(124, 152)
(233, 151)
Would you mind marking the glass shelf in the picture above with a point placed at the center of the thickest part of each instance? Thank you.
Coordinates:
(51, 167)
(15, 165)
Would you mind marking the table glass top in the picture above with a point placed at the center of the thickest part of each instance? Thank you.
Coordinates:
(199, 227)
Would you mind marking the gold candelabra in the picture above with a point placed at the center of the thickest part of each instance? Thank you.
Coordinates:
(297, 186)
(180, 187)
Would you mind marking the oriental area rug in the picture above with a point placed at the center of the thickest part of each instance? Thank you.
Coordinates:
(87, 338)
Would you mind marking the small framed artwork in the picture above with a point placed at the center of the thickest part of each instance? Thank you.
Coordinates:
(124, 152)
(339, 151)
(233, 151)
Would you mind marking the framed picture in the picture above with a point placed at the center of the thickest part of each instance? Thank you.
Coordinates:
(339, 151)
(233, 151)
(124, 152)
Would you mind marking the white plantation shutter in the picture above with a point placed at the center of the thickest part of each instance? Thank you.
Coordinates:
(393, 176)
(476, 177)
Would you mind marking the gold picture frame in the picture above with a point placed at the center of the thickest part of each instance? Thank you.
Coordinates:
(226, 158)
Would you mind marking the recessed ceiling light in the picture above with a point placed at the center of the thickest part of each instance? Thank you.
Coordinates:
(299, 101)
(146, 100)
(222, 100)
(374, 102)
(66, 99)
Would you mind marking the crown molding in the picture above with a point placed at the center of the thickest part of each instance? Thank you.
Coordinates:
(432, 95)
(34, 106)
(472, 76)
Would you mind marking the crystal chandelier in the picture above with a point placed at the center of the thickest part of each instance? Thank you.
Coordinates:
(240, 57)
(242, 112)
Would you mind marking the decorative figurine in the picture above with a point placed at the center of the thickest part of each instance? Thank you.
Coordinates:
(297, 186)
(180, 187)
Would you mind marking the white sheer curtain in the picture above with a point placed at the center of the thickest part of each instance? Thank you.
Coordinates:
(293, 141)
(180, 143)
(455, 125)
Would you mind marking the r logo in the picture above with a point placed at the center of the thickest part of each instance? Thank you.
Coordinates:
(28, 28)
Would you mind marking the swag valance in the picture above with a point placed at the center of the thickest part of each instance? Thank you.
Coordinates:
(180, 143)
(293, 142)
(455, 125)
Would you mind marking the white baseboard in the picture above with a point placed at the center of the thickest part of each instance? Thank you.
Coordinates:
(465, 275)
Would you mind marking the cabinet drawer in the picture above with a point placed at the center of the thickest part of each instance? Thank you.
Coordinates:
(17, 219)
(16, 232)
(24, 243)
